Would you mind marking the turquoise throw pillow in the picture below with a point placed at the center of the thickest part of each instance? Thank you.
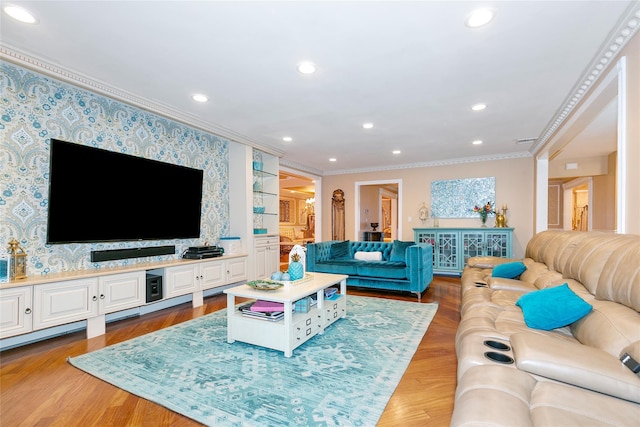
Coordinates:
(509, 270)
(552, 308)
(339, 250)
(398, 250)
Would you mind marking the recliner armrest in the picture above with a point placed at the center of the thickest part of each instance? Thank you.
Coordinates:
(504, 284)
(574, 363)
(488, 261)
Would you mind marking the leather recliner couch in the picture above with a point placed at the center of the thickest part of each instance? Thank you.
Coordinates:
(512, 375)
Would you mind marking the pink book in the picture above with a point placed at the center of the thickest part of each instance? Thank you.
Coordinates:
(267, 306)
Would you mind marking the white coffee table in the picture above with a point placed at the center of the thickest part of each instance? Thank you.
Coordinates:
(296, 328)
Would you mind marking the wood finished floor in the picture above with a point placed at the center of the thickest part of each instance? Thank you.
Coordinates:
(39, 388)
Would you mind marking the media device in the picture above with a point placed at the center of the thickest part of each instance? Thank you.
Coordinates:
(203, 252)
(154, 287)
(96, 195)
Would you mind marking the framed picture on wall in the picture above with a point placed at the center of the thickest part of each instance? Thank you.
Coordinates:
(287, 210)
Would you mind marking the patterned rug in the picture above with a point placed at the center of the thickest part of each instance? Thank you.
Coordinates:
(344, 377)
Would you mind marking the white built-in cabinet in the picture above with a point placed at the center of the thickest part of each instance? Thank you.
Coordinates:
(64, 302)
(186, 279)
(73, 300)
(266, 255)
(254, 207)
(121, 291)
(47, 301)
(16, 313)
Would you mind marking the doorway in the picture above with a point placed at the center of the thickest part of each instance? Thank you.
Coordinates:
(300, 210)
(379, 205)
(577, 199)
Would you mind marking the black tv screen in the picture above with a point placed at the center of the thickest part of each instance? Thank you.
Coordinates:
(97, 195)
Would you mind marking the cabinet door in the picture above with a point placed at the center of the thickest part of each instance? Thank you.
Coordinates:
(427, 237)
(64, 302)
(236, 270)
(266, 256)
(122, 291)
(498, 243)
(273, 259)
(181, 280)
(473, 244)
(447, 255)
(15, 311)
(211, 274)
(260, 262)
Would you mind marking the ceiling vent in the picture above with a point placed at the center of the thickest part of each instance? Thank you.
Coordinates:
(522, 141)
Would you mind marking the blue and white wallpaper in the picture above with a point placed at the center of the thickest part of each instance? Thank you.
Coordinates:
(36, 108)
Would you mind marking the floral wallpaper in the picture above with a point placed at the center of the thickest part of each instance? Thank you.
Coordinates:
(36, 108)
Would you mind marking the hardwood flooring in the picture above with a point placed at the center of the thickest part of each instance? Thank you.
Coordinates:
(39, 388)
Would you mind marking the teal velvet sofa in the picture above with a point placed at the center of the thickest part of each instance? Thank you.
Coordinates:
(404, 266)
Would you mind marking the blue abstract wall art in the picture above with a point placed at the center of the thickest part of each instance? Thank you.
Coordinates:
(455, 198)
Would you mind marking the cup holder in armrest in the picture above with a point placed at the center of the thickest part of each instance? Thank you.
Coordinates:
(497, 345)
(499, 357)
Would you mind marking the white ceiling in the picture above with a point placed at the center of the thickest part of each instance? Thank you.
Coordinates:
(412, 68)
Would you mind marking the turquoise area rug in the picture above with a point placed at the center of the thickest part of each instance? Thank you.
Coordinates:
(342, 378)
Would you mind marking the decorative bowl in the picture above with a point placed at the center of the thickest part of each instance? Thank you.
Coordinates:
(258, 209)
(264, 285)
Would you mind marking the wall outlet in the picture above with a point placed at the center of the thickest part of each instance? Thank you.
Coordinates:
(409, 219)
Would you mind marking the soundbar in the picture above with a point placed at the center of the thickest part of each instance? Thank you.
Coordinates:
(114, 254)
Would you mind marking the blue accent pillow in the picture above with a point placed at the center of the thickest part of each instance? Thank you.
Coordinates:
(398, 250)
(552, 308)
(339, 250)
(509, 270)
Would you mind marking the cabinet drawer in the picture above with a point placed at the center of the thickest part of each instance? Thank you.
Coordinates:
(308, 326)
(334, 310)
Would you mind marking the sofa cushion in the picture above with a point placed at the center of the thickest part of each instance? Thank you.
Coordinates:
(339, 250)
(552, 308)
(368, 256)
(383, 269)
(509, 270)
(399, 249)
(338, 266)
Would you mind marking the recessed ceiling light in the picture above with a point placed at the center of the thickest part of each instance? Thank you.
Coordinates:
(287, 139)
(198, 97)
(477, 142)
(396, 152)
(367, 125)
(307, 67)
(333, 159)
(20, 14)
(479, 17)
(479, 107)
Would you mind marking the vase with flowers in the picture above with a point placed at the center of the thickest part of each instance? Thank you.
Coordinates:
(484, 211)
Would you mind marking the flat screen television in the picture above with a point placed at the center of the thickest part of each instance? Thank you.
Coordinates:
(97, 195)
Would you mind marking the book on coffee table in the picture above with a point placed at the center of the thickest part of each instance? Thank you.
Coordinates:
(267, 306)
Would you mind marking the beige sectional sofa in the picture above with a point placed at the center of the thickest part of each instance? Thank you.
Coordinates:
(567, 376)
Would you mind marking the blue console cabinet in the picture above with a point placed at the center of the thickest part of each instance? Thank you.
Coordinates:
(452, 247)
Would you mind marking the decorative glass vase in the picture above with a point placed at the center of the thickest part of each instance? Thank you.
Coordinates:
(483, 218)
(296, 271)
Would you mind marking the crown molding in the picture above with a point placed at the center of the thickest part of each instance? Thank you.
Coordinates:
(626, 28)
(446, 162)
(300, 167)
(18, 57)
